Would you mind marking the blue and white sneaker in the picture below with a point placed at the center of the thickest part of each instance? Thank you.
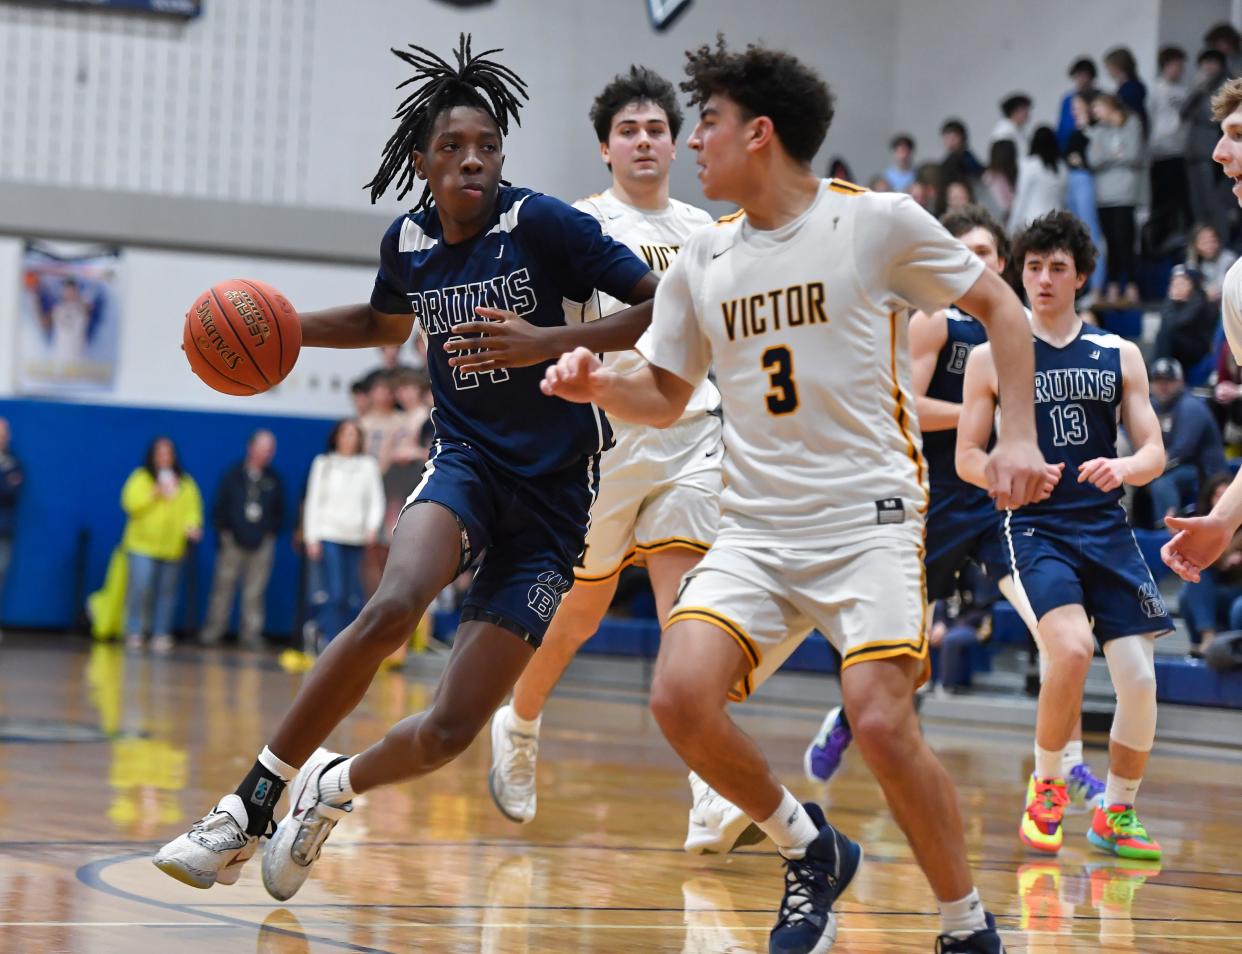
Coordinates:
(1086, 791)
(826, 751)
(299, 837)
(806, 923)
(987, 941)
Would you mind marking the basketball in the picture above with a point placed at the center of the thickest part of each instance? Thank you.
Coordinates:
(242, 337)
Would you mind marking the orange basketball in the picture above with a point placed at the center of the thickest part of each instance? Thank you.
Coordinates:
(242, 336)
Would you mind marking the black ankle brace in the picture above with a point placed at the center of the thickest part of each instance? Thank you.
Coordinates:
(260, 791)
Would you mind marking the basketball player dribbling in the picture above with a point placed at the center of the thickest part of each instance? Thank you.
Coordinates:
(797, 299)
(511, 475)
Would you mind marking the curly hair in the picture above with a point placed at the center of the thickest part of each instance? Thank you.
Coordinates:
(475, 81)
(639, 85)
(768, 83)
(969, 217)
(1058, 232)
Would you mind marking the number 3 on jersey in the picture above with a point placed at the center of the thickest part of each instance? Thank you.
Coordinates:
(782, 396)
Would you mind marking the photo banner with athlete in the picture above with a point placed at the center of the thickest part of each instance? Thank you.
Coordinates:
(69, 325)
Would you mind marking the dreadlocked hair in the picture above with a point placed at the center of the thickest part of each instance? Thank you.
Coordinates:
(475, 81)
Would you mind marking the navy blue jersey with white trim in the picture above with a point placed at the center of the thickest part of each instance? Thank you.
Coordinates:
(1078, 392)
(536, 252)
(963, 333)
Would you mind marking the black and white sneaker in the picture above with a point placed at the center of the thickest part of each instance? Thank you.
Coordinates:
(987, 941)
(213, 850)
(301, 833)
(806, 923)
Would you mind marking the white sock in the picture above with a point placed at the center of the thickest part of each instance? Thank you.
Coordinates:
(524, 726)
(1047, 763)
(269, 761)
(790, 827)
(1121, 791)
(1072, 756)
(334, 787)
(962, 918)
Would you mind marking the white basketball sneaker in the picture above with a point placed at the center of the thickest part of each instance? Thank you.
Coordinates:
(512, 778)
(300, 835)
(717, 826)
(213, 850)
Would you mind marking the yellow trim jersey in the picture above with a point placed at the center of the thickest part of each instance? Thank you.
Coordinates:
(656, 238)
(806, 326)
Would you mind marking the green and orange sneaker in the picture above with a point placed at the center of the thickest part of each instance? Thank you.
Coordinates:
(1043, 817)
(1117, 830)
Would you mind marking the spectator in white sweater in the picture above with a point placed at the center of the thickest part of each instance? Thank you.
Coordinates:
(344, 512)
(1042, 180)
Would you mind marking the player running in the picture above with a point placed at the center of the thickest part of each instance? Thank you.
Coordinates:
(511, 474)
(659, 489)
(1073, 553)
(798, 299)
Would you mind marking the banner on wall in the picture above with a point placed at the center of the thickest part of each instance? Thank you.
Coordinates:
(69, 323)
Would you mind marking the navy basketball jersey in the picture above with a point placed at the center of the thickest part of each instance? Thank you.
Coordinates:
(1077, 395)
(536, 252)
(940, 447)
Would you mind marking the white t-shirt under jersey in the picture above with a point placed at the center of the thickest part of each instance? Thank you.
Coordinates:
(655, 237)
(807, 328)
(1231, 309)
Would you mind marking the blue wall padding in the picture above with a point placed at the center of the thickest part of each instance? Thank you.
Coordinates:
(76, 458)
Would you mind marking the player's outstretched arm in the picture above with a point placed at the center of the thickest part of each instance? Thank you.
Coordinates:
(505, 340)
(1016, 470)
(928, 333)
(649, 395)
(1141, 423)
(354, 326)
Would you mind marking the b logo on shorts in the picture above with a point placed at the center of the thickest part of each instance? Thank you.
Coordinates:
(545, 596)
(1153, 604)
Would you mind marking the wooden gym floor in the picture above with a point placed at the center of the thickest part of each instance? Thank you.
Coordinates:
(104, 755)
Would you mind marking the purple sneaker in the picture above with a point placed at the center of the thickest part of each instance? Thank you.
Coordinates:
(823, 756)
(1085, 789)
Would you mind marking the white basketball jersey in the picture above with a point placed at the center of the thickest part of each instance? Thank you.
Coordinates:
(806, 327)
(1231, 309)
(655, 237)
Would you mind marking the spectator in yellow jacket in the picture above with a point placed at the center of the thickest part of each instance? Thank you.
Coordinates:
(165, 511)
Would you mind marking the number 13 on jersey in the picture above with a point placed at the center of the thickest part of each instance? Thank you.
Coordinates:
(782, 396)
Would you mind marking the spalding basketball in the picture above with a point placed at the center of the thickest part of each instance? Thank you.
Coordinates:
(242, 336)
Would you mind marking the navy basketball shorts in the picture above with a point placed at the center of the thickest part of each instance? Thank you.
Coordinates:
(529, 532)
(963, 525)
(1088, 558)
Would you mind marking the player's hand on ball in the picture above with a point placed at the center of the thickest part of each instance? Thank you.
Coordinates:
(578, 376)
(506, 341)
(1197, 543)
(1106, 473)
(1016, 473)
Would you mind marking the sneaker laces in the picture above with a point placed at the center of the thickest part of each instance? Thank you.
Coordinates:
(1126, 823)
(520, 765)
(1082, 775)
(808, 886)
(1049, 802)
(708, 807)
(219, 831)
(315, 827)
